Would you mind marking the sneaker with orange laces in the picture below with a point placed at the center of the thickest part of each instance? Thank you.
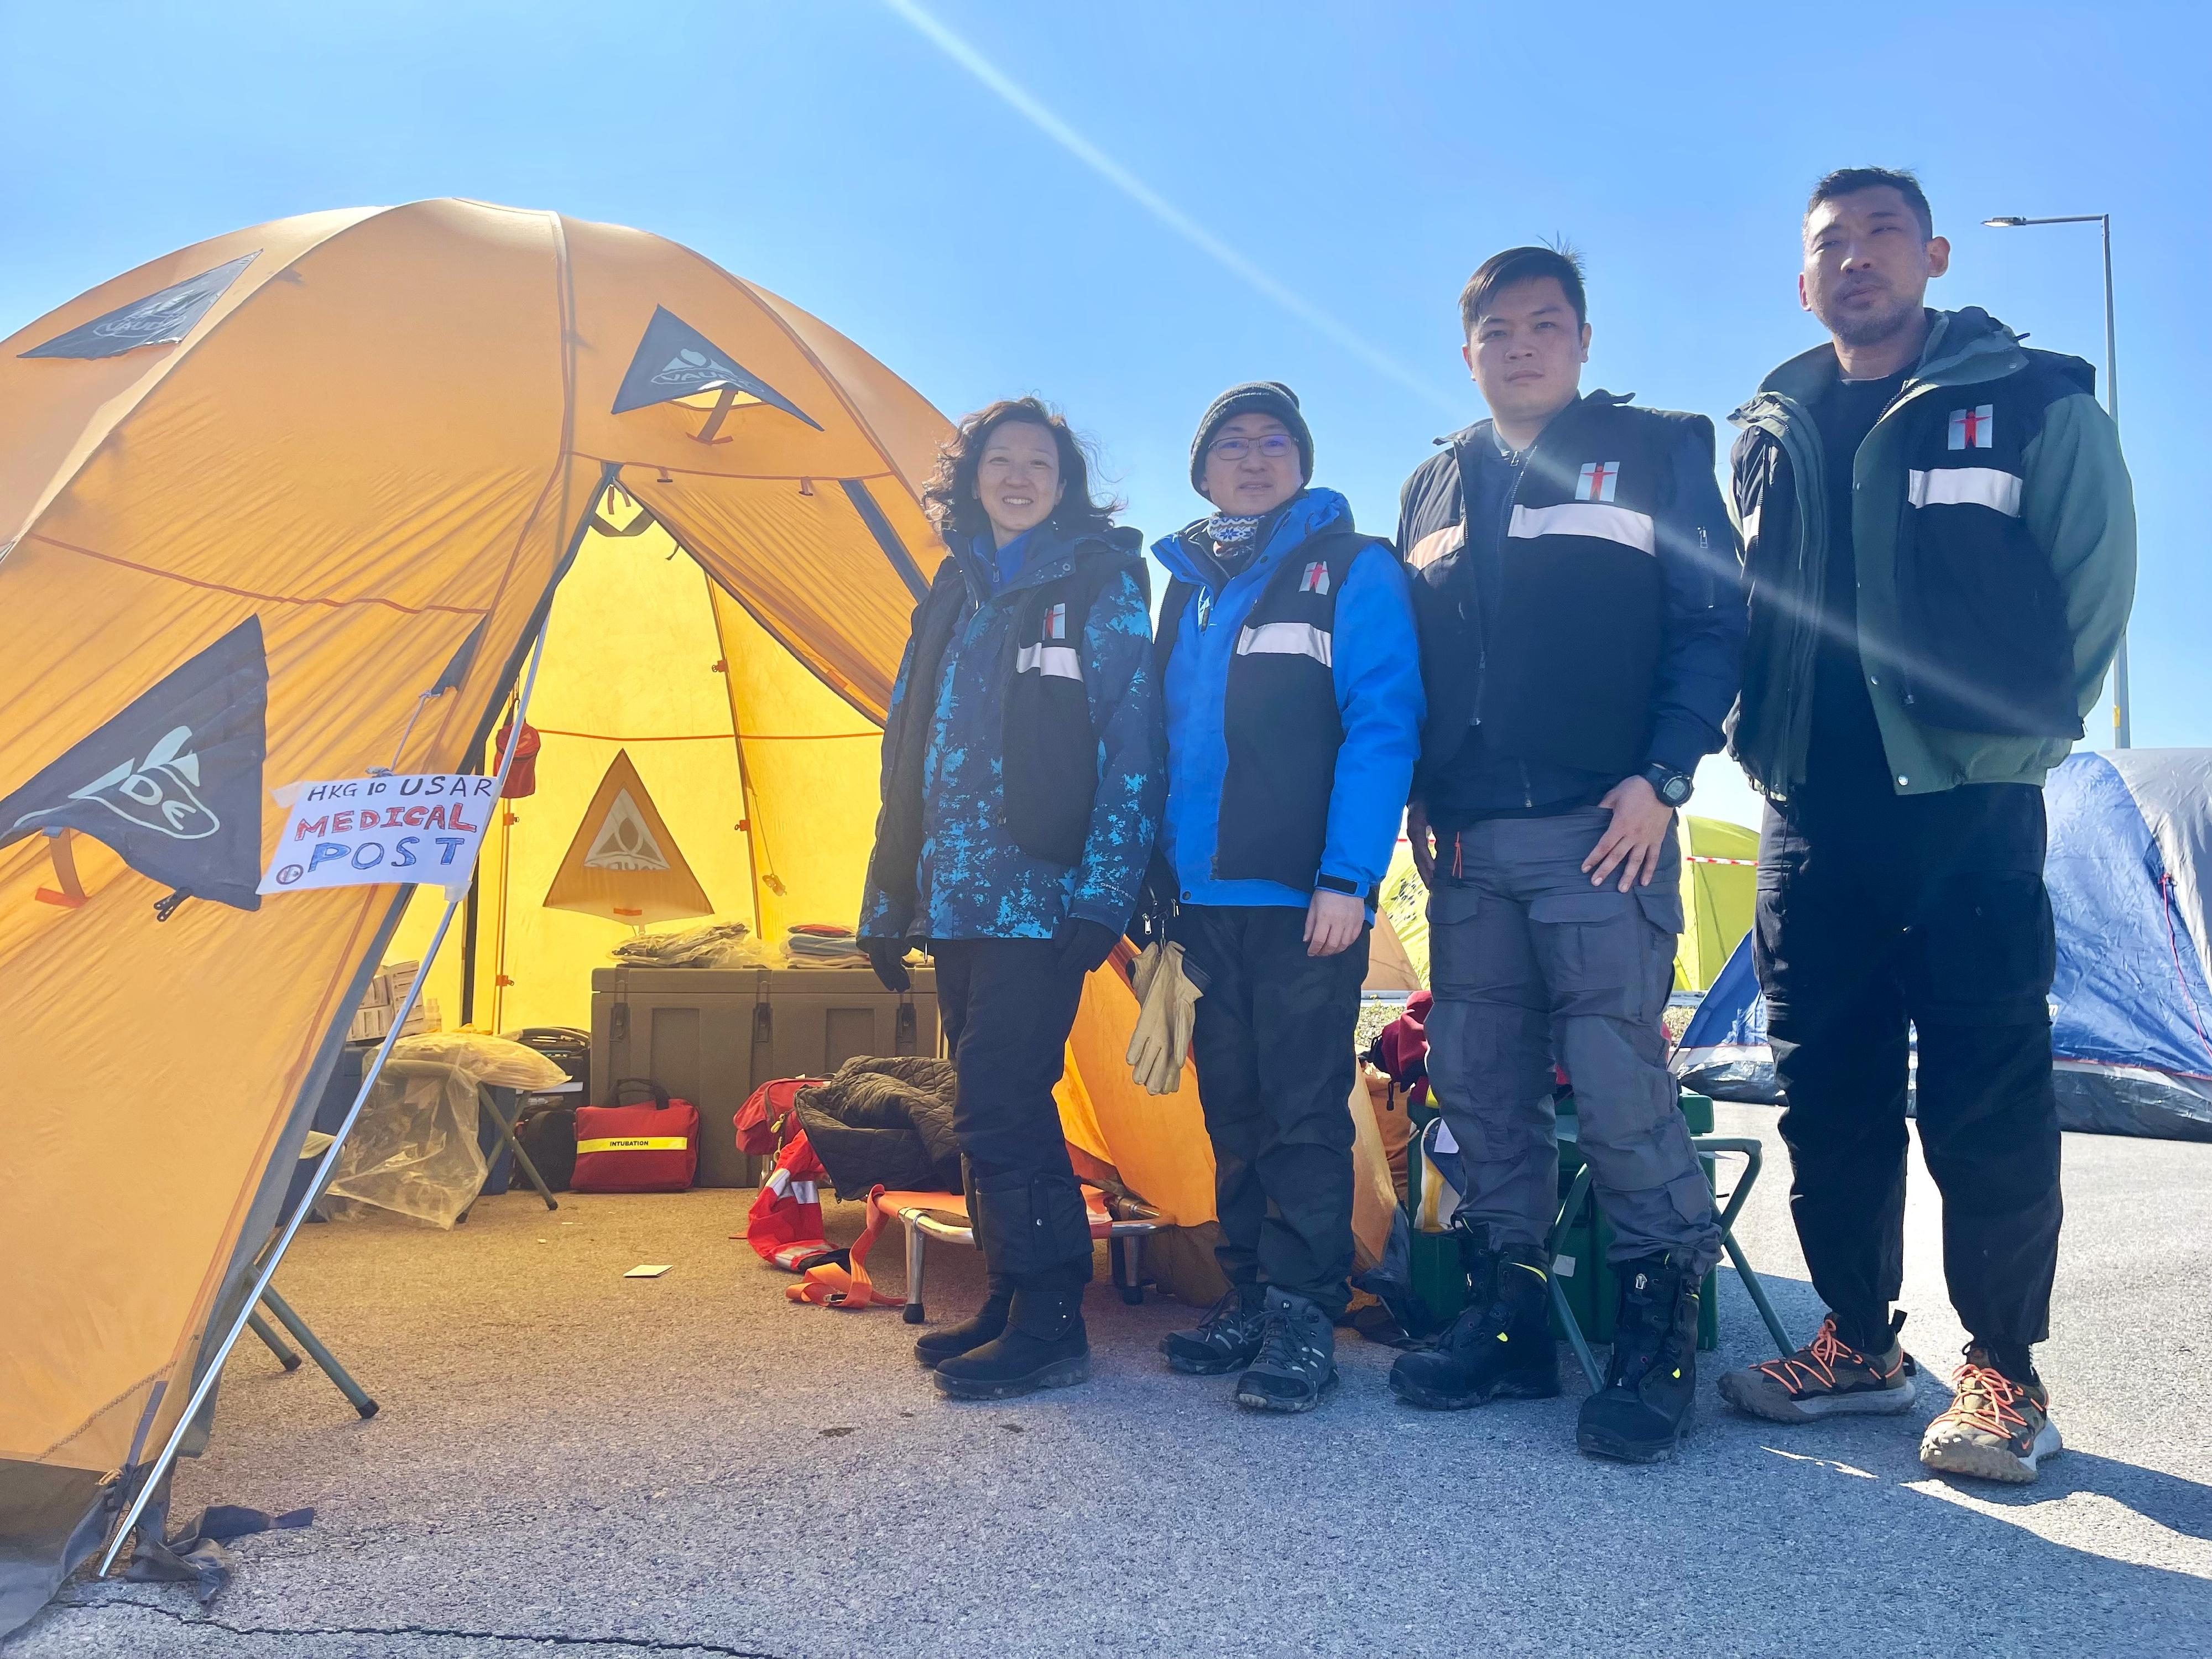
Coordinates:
(1826, 1377)
(1996, 1428)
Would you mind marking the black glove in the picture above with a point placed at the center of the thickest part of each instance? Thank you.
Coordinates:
(1155, 908)
(1082, 946)
(888, 957)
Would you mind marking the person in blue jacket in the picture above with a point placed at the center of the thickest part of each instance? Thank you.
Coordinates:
(1291, 677)
(1022, 784)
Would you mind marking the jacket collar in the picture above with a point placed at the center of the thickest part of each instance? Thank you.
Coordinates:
(1962, 346)
(1189, 554)
(1053, 553)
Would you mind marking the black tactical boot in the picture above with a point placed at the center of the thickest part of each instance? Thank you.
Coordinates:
(1227, 1340)
(1296, 1362)
(987, 1325)
(990, 1319)
(1639, 1415)
(1500, 1345)
(1044, 1346)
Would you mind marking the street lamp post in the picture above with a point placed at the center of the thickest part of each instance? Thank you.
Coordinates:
(2121, 738)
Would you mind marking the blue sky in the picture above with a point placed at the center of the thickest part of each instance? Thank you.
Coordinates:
(1292, 190)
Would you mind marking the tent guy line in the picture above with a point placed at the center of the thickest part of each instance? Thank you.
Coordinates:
(957, 49)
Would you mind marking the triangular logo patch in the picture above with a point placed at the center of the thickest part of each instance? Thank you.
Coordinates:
(625, 840)
(622, 863)
(162, 317)
(173, 783)
(675, 360)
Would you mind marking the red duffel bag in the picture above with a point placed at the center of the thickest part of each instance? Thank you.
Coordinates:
(649, 1147)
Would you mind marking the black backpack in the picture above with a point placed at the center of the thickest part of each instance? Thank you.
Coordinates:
(547, 1131)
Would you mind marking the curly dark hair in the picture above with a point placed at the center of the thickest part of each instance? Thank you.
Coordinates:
(949, 498)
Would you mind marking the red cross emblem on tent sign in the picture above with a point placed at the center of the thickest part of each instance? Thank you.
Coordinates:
(1596, 481)
(1315, 579)
(1974, 428)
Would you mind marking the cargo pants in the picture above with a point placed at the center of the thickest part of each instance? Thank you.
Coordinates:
(1273, 1044)
(1533, 966)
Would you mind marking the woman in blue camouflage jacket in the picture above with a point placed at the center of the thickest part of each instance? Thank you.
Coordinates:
(1022, 785)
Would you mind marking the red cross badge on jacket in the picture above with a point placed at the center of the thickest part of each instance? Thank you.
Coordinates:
(1315, 579)
(1596, 481)
(1974, 428)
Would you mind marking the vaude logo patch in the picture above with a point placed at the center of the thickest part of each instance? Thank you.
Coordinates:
(625, 840)
(161, 319)
(161, 793)
(690, 371)
(675, 360)
(172, 782)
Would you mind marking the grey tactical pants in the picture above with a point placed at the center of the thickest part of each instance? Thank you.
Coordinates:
(1532, 966)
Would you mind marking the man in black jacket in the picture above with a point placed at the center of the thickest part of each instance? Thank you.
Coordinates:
(1582, 625)
(1941, 545)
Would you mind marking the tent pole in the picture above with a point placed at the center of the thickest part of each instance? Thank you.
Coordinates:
(212, 1372)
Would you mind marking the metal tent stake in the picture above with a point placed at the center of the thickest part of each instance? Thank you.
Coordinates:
(212, 1371)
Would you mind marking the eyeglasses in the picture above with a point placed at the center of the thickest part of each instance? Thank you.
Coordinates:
(1274, 447)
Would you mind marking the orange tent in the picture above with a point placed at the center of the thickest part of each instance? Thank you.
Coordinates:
(266, 505)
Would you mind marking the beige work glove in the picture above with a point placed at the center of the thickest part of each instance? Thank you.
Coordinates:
(1166, 1008)
(1148, 1044)
(1182, 1015)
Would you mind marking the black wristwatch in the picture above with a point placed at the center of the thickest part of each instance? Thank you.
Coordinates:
(1672, 788)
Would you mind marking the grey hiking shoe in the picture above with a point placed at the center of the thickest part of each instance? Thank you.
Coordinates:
(1227, 1340)
(1296, 1362)
(1997, 1428)
(1826, 1377)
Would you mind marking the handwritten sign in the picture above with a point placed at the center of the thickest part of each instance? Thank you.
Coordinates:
(364, 832)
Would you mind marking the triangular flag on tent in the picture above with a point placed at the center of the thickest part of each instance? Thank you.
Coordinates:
(173, 781)
(162, 317)
(675, 360)
(623, 864)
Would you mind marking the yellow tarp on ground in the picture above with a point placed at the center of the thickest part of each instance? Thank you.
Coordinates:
(359, 448)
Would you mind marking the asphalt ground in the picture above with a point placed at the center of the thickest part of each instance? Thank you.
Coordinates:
(568, 1461)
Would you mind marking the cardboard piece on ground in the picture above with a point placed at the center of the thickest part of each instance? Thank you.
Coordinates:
(649, 1270)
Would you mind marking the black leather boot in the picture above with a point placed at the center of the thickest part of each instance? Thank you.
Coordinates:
(986, 1325)
(1649, 1385)
(1500, 1345)
(1044, 1346)
(989, 1320)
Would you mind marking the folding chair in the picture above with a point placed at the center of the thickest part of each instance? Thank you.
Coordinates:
(1579, 1197)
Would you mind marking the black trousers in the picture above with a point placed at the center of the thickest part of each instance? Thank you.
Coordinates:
(1007, 1006)
(1272, 1044)
(1877, 912)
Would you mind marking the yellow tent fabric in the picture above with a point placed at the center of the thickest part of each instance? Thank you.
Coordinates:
(381, 436)
(1720, 885)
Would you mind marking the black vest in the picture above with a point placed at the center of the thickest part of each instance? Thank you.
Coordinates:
(1986, 645)
(1049, 749)
(1572, 638)
(1280, 716)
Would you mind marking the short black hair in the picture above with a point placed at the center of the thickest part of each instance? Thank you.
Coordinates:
(1523, 265)
(1848, 181)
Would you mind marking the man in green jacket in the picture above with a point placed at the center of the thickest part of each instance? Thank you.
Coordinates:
(1940, 544)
